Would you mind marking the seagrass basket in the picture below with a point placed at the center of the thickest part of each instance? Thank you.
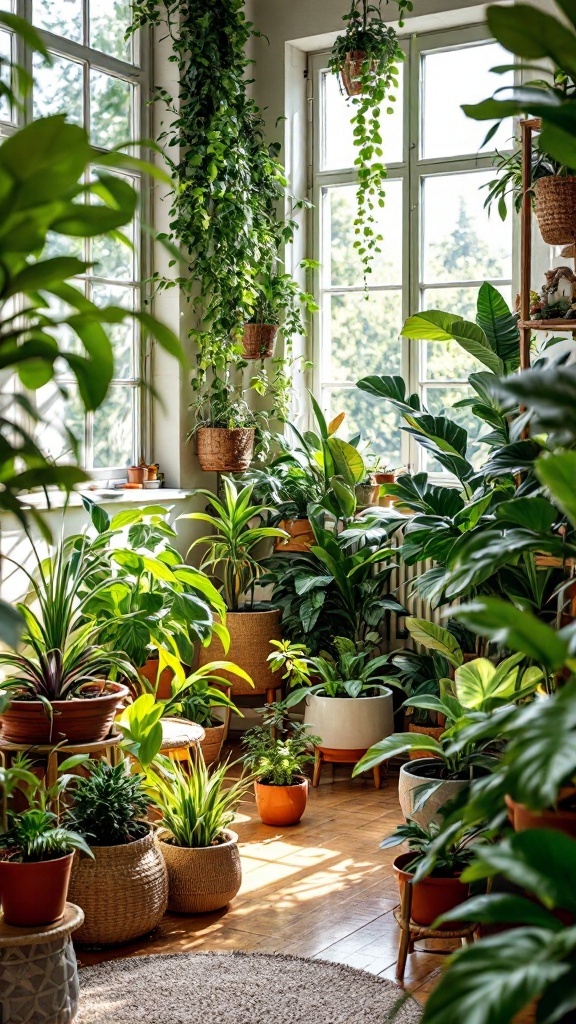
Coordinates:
(258, 340)
(211, 745)
(250, 636)
(556, 209)
(123, 892)
(225, 451)
(202, 879)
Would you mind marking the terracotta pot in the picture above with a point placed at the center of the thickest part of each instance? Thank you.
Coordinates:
(424, 730)
(34, 894)
(432, 896)
(367, 494)
(225, 451)
(301, 536)
(123, 892)
(258, 340)
(149, 671)
(384, 478)
(203, 879)
(349, 723)
(281, 805)
(351, 71)
(78, 720)
(136, 474)
(250, 636)
(211, 745)
(522, 818)
(556, 209)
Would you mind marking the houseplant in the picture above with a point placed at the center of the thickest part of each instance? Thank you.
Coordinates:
(123, 888)
(277, 301)
(277, 763)
(224, 428)
(36, 851)
(195, 698)
(59, 684)
(200, 850)
(230, 557)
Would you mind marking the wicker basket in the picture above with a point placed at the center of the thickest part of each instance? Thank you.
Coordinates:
(556, 209)
(225, 451)
(203, 879)
(351, 72)
(123, 892)
(435, 731)
(211, 745)
(250, 636)
(258, 340)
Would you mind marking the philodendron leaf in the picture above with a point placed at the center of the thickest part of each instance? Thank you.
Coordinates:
(436, 325)
(392, 746)
(558, 474)
(518, 630)
(435, 638)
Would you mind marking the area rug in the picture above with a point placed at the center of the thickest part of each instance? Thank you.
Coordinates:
(237, 988)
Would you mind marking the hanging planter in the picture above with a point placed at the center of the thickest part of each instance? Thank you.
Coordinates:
(556, 209)
(258, 340)
(225, 450)
(351, 72)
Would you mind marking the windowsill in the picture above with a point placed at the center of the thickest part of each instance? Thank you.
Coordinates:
(159, 496)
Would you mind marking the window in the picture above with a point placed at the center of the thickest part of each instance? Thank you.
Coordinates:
(99, 80)
(439, 243)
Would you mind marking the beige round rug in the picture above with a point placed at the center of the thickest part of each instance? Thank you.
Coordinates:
(236, 988)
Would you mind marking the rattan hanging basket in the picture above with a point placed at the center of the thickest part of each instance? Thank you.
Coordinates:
(225, 451)
(250, 636)
(556, 209)
(123, 892)
(201, 879)
(258, 340)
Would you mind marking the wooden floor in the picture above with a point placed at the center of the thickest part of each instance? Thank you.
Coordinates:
(321, 889)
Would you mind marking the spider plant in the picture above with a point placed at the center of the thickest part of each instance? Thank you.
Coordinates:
(230, 548)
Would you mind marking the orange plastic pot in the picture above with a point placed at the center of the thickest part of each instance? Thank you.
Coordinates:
(522, 818)
(432, 896)
(281, 805)
(34, 894)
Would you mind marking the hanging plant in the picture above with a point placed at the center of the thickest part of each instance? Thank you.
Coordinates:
(366, 59)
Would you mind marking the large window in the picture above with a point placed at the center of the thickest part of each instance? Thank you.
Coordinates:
(439, 243)
(99, 80)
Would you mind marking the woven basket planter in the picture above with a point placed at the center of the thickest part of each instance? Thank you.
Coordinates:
(123, 892)
(258, 340)
(435, 731)
(250, 636)
(556, 209)
(211, 745)
(225, 451)
(351, 71)
(203, 879)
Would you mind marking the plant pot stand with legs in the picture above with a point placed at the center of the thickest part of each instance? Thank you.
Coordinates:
(410, 932)
(324, 755)
(107, 748)
(38, 971)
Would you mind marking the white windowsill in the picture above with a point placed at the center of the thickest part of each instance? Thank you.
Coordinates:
(157, 496)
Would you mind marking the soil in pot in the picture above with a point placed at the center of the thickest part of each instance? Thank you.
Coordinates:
(34, 894)
(201, 879)
(300, 535)
(258, 340)
(250, 636)
(225, 451)
(281, 805)
(432, 896)
(85, 719)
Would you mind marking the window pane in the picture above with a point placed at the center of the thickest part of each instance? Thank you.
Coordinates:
(364, 335)
(63, 17)
(64, 415)
(461, 243)
(342, 263)
(6, 60)
(339, 150)
(113, 429)
(121, 335)
(113, 259)
(109, 20)
(453, 77)
(110, 110)
(447, 361)
(440, 402)
(58, 89)
(378, 422)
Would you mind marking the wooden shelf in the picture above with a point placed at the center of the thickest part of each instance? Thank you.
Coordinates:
(548, 325)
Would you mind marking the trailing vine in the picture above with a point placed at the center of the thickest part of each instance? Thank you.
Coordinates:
(366, 58)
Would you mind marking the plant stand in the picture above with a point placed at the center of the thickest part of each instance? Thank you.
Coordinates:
(324, 755)
(181, 740)
(38, 971)
(410, 932)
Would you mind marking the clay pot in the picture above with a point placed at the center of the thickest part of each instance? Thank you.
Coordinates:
(556, 209)
(424, 730)
(432, 896)
(281, 805)
(136, 474)
(258, 340)
(225, 451)
(149, 671)
(34, 894)
(250, 636)
(201, 879)
(78, 720)
(301, 536)
(351, 71)
(211, 745)
(522, 818)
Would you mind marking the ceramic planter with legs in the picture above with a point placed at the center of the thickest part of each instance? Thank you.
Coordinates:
(201, 879)
(432, 896)
(281, 805)
(347, 726)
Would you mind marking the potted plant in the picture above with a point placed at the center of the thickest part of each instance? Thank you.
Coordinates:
(59, 682)
(195, 698)
(123, 887)
(367, 491)
(200, 850)
(277, 763)
(230, 556)
(36, 851)
(225, 427)
(277, 299)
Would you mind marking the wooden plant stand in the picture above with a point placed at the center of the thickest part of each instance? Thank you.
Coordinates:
(410, 932)
(325, 755)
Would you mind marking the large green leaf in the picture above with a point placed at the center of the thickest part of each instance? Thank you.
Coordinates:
(436, 325)
(533, 34)
(558, 474)
(499, 325)
(435, 638)
(393, 746)
(518, 630)
(539, 860)
(392, 388)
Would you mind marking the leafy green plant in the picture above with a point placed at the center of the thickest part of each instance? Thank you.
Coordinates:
(350, 673)
(277, 760)
(508, 181)
(437, 853)
(230, 549)
(110, 805)
(279, 300)
(35, 835)
(195, 806)
(195, 696)
(376, 44)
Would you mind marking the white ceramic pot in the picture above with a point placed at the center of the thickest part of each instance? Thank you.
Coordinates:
(416, 774)
(349, 723)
